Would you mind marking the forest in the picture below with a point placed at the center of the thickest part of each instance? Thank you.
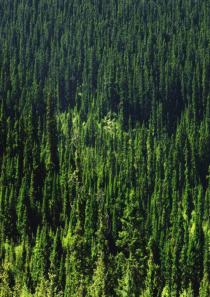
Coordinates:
(104, 148)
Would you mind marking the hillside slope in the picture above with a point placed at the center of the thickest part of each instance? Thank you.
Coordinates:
(104, 148)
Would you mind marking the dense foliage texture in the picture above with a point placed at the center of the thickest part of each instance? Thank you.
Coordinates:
(104, 148)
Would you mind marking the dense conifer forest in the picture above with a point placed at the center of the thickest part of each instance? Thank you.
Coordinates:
(104, 148)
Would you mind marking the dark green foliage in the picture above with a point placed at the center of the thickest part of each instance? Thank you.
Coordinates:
(104, 148)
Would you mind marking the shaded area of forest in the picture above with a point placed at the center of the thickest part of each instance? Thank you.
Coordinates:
(104, 148)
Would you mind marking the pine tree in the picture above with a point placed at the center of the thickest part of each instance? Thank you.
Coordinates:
(3, 130)
(51, 136)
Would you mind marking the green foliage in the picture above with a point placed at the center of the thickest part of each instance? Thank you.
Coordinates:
(104, 148)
